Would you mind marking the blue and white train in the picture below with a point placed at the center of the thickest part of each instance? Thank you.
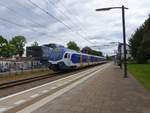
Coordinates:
(61, 59)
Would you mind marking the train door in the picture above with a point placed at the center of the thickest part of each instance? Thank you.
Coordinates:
(67, 58)
(88, 60)
(81, 60)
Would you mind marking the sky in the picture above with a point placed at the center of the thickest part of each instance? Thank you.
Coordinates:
(61, 21)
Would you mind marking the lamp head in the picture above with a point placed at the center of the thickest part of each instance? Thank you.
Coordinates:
(103, 9)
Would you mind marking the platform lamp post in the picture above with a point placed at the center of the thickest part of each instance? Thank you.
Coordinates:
(124, 33)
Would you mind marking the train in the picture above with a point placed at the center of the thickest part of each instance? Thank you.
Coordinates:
(41, 52)
(61, 59)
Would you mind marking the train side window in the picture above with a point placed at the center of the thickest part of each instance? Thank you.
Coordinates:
(79, 57)
(66, 55)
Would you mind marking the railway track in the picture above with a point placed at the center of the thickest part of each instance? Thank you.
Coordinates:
(25, 81)
(33, 79)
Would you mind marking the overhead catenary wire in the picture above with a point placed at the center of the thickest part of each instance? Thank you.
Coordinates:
(60, 11)
(77, 20)
(72, 22)
(51, 15)
(16, 24)
(27, 27)
(19, 25)
(70, 13)
(15, 12)
(65, 15)
(8, 21)
(12, 10)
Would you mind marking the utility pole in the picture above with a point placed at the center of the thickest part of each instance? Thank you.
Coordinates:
(124, 33)
(124, 42)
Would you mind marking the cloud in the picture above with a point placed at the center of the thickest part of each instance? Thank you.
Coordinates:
(81, 21)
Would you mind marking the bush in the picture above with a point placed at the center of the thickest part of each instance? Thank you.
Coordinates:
(142, 56)
(149, 61)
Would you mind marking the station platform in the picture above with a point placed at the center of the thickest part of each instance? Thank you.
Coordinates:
(102, 91)
(106, 92)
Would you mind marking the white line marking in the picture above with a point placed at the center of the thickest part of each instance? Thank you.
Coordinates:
(44, 101)
(34, 96)
(45, 91)
(53, 87)
(78, 76)
(84, 72)
(19, 102)
(58, 85)
(65, 78)
(3, 109)
(65, 82)
(69, 80)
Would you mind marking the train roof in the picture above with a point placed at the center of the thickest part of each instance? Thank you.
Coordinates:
(76, 52)
(52, 45)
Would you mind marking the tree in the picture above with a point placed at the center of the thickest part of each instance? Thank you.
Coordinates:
(109, 58)
(19, 43)
(3, 42)
(135, 41)
(144, 49)
(88, 50)
(8, 50)
(139, 43)
(72, 45)
(97, 53)
(35, 44)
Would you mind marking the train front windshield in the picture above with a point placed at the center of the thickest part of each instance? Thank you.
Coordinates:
(57, 54)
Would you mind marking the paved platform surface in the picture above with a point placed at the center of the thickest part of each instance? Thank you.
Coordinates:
(105, 92)
(31, 99)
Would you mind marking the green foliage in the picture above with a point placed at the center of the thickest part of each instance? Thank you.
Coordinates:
(13, 47)
(88, 50)
(97, 53)
(109, 58)
(19, 43)
(3, 43)
(72, 45)
(141, 72)
(35, 44)
(8, 50)
(139, 43)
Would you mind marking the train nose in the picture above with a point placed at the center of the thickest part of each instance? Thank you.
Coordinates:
(54, 67)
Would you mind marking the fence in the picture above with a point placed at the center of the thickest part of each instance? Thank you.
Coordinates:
(11, 66)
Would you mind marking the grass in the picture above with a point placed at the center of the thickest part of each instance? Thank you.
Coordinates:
(142, 73)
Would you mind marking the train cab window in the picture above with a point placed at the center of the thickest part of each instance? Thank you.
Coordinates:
(66, 54)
